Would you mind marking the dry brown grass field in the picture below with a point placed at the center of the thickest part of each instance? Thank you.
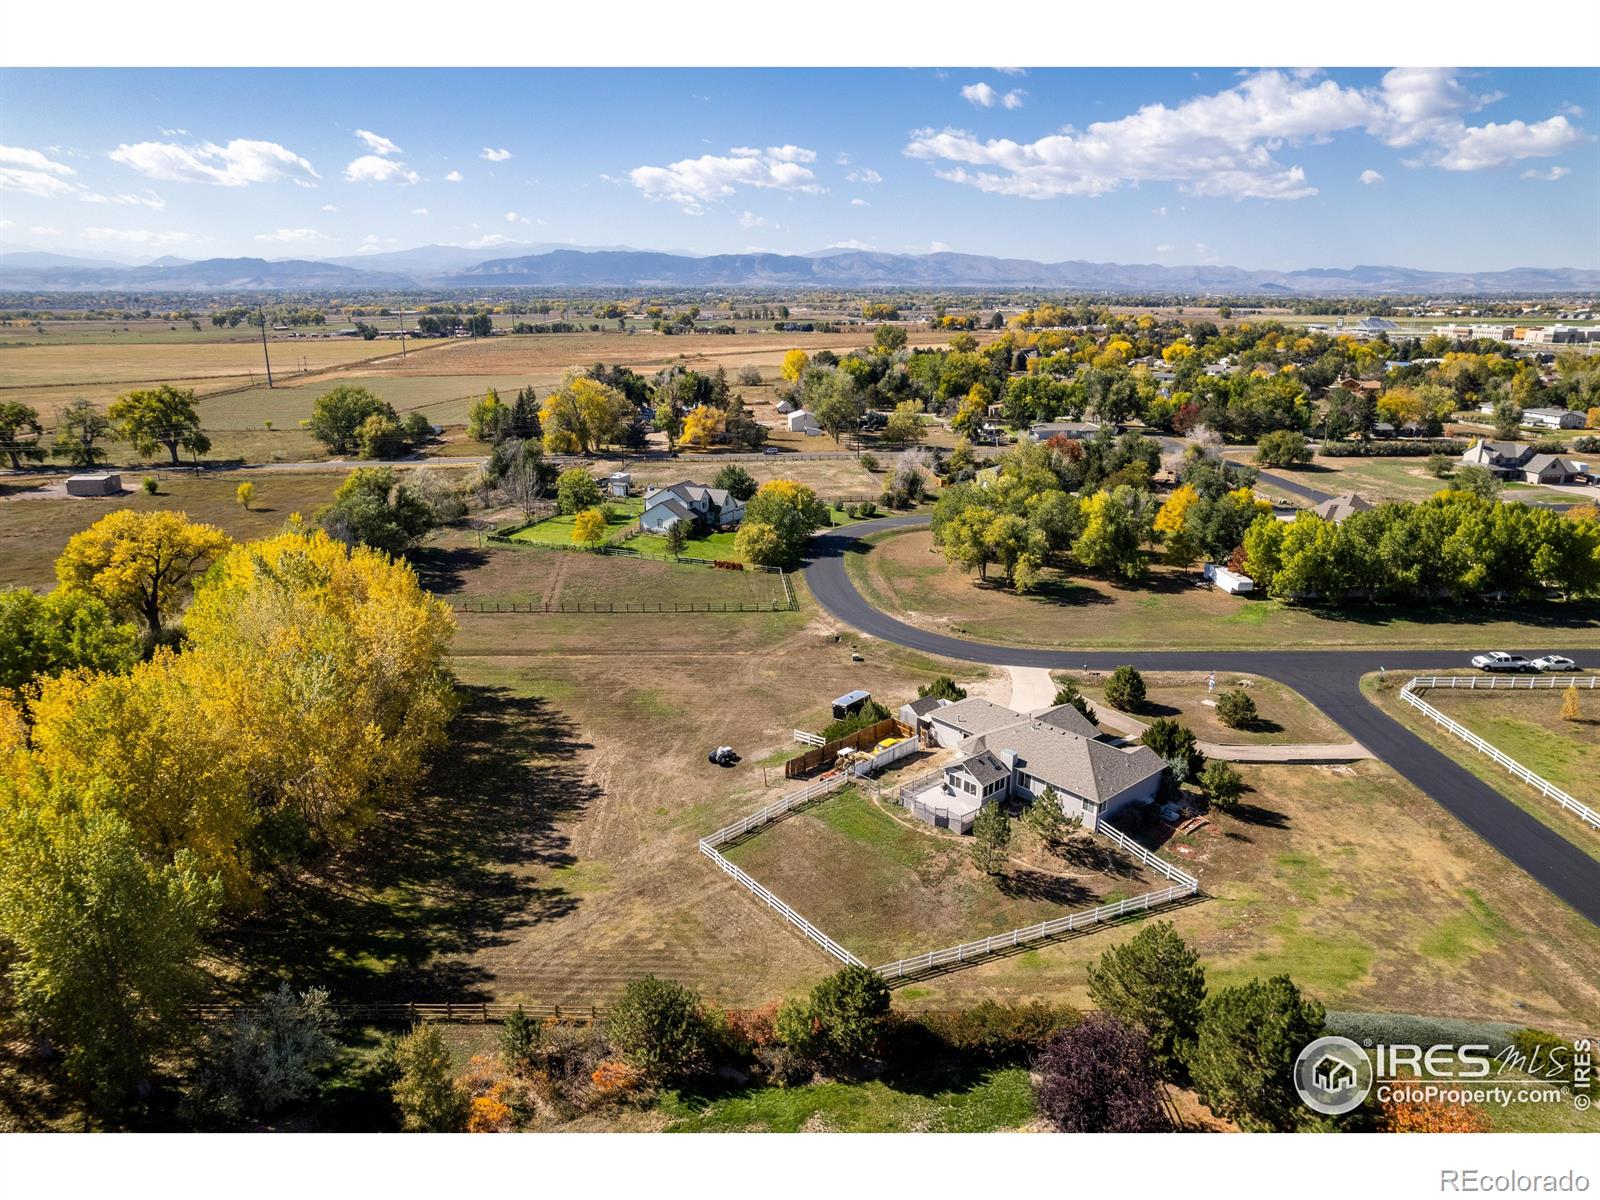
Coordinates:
(1528, 727)
(1285, 716)
(903, 574)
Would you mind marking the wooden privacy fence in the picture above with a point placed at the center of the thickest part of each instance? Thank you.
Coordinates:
(804, 764)
(1543, 786)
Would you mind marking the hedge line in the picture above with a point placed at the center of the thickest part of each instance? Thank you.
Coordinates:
(1419, 448)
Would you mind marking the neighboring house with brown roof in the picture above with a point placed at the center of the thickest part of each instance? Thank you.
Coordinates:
(1342, 506)
(1553, 468)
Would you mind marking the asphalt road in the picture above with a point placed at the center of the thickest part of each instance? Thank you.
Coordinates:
(1330, 679)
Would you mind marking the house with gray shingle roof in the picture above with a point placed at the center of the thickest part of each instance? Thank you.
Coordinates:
(1342, 506)
(695, 503)
(1012, 756)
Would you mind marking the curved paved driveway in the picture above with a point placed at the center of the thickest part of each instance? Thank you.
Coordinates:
(1327, 678)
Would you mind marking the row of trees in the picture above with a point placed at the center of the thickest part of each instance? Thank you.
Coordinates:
(1456, 545)
(142, 797)
(151, 419)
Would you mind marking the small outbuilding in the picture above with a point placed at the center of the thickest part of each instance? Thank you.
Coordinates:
(850, 703)
(800, 421)
(1229, 581)
(618, 484)
(103, 483)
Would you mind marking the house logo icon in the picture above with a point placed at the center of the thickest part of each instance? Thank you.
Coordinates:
(1333, 1075)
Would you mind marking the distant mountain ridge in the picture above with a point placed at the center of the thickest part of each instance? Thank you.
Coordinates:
(455, 266)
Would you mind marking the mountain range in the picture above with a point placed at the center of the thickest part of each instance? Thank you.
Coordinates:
(546, 265)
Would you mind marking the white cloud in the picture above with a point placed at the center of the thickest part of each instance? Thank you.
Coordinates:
(850, 244)
(238, 164)
(141, 237)
(693, 183)
(1424, 107)
(842, 159)
(291, 235)
(1227, 143)
(1550, 176)
(1204, 253)
(858, 202)
(1164, 248)
(29, 171)
(147, 200)
(938, 247)
(381, 165)
(1011, 70)
(45, 231)
(453, 177)
(491, 239)
(981, 95)
(330, 208)
(174, 133)
(750, 220)
(377, 143)
(1476, 147)
(516, 218)
(371, 168)
(7, 223)
(1160, 212)
(494, 155)
(864, 175)
(419, 212)
(1216, 145)
(1369, 177)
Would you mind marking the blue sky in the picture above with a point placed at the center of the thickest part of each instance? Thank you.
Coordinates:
(1432, 168)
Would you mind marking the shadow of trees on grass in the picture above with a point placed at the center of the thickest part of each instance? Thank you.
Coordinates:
(396, 915)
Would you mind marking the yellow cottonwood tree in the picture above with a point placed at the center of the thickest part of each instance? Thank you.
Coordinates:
(589, 528)
(325, 667)
(794, 365)
(701, 425)
(140, 563)
(147, 745)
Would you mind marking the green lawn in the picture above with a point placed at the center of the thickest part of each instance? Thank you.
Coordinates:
(557, 531)
(933, 1103)
(1285, 717)
(713, 545)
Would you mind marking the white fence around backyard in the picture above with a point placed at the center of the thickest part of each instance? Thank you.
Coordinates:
(1409, 693)
(1183, 885)
(764, 816)
(809, 739)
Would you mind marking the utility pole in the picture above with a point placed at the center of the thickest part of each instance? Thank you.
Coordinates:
(264, 356)
(401, 311)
